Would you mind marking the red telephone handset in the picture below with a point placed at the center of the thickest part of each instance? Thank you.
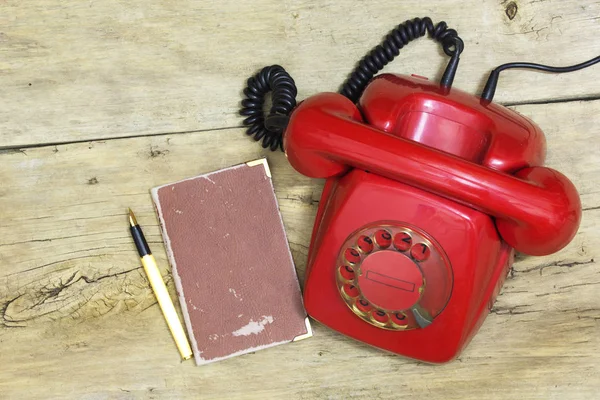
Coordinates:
(428, 192)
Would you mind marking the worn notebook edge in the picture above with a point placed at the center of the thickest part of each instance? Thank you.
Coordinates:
(176, 277)
(307, 325)
(249, 350)
(206, 176)
(253, 163)
(264, 163)
(308, 333)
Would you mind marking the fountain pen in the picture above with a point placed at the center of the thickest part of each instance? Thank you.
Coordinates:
(159, 288)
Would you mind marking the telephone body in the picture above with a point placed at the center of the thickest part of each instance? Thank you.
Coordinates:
(429, 191)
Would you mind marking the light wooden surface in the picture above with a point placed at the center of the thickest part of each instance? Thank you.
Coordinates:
(100, 101)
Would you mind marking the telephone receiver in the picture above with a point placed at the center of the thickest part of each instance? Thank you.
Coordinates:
(536, 209)
(428, 194)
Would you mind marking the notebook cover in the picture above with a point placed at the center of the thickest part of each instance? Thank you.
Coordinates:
(231, 262)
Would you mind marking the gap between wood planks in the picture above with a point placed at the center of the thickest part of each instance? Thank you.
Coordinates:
(552, 101)
(23, 148)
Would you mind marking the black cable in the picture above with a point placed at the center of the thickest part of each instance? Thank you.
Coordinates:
(490, 87)
(276, 80)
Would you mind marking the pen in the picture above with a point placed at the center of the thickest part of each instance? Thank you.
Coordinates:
(159, 288)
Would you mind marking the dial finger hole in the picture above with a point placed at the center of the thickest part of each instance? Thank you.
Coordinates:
(350, 290)
(365, 243)
(380, 316)
(399, 319)
(420, 252)
(347, 272)
(352, 255)
(402, 241)
(383, 238)
(363, 305)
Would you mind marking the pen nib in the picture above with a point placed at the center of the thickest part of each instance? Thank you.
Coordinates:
(132, 220)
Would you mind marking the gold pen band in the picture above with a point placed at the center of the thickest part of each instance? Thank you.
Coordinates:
(166, 305)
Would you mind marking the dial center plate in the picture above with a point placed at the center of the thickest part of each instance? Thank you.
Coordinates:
(390, 280)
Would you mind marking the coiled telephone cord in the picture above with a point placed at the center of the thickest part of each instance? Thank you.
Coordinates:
(275, 79)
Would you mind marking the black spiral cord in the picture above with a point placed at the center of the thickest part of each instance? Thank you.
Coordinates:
(270, 129)
(275, 79)
(382, 54)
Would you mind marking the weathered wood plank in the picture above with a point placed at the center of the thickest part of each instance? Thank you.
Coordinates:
(78, 320)
(72, 70)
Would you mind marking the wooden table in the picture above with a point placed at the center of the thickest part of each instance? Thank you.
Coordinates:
(102, 100)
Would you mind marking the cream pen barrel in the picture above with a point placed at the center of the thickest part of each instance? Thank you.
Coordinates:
(159, 288)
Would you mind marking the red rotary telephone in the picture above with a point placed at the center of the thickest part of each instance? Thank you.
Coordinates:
(415, 234)
(429, 192)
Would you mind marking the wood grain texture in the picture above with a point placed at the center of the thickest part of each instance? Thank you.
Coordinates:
(75, 70)
(78, 320)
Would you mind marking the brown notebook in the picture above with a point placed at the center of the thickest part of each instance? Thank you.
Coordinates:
(231, 262)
